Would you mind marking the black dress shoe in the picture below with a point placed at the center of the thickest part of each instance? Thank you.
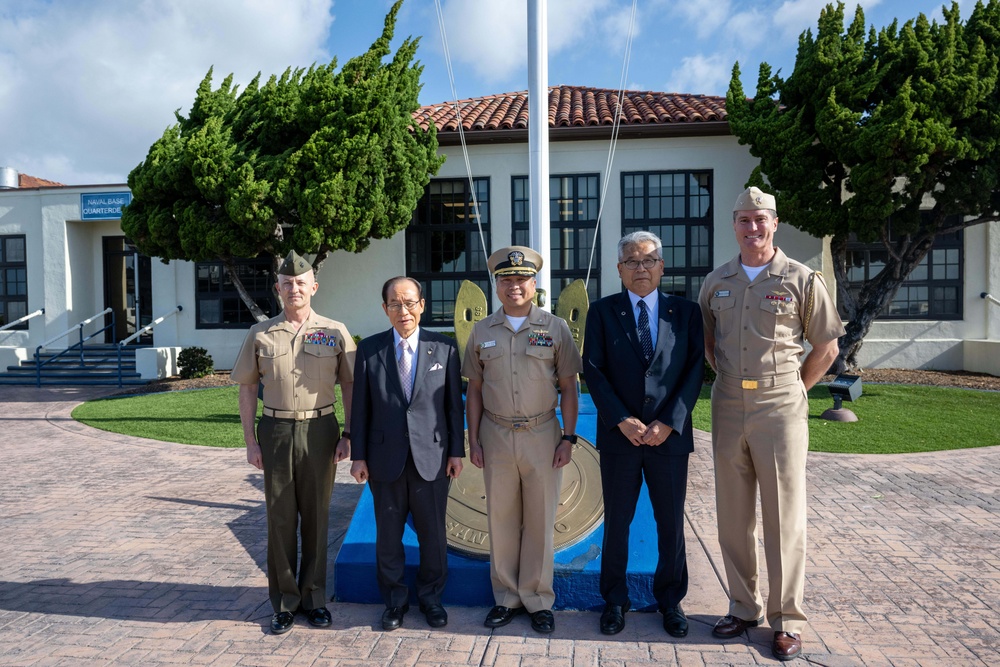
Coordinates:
(436, 616)
(282, 622)
(729, 626)
(543, 621)
(319, 617)
(786, 646)
(675, 622)
(392, 617)
(613, 618)
(500, 616)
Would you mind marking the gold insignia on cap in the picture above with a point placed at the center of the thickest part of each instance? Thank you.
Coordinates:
(515, 261)
(754, 198)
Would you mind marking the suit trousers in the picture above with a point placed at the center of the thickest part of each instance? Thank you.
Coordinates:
(761, 438)
(522, 495)
(622, 473)
(298, 482)
(426, 502)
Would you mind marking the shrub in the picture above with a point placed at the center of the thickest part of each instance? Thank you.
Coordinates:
(195, 362)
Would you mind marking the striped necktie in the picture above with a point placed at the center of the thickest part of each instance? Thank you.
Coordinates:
(645, 339)
(404, 368)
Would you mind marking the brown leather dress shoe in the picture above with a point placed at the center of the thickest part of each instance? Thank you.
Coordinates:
(728, 627)
(786, 645)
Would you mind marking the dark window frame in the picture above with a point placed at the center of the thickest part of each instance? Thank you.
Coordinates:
(693, 222)
(232, 312)
(13, 273)
(569, 217)
(922, 295)
(441, 252)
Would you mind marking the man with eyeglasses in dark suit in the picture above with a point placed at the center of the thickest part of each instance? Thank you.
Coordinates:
(644, 364)
(408, 443)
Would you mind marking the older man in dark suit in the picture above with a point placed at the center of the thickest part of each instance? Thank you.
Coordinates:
(644, 365)
(408, 439)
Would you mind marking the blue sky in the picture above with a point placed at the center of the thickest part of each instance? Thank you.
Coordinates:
(86, 87)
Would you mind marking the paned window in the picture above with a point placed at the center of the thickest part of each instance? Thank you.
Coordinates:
(934, 288)
(573, 205)
(220, 305)
(13, 281)
(443, 246)
(677, 207)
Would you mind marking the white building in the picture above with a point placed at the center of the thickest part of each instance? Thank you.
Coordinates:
(676, 171)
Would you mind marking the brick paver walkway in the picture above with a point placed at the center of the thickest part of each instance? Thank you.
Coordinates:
(118, 550)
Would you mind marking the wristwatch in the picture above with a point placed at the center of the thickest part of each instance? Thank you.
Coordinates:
(570, 438)
(345, 435)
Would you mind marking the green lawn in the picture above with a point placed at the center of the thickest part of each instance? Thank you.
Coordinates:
(195, 417)
(895, 419)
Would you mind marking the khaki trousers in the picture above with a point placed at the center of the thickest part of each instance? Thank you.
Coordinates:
(760, 438)
(522, 494)
(298, 482)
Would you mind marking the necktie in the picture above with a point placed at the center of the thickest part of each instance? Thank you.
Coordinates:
(644, 338)
(404, 368)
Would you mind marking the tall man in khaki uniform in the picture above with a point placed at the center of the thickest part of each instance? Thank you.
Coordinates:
(299, 357)
(514, 360)
(758, 311)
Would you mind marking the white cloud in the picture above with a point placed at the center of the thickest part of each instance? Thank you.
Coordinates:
(793, 17)
(707, 16)
(700, 74)
(746, 28)
(90, 85)
(491, 36)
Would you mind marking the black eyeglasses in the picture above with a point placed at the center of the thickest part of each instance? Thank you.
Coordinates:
(646, 263)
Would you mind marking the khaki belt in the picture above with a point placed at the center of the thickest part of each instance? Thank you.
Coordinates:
(298, 415)
(760, 383)
(520, 423)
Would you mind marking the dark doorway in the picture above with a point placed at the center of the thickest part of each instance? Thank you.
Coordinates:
(127, 290)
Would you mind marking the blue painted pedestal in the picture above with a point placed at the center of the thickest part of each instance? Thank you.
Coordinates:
(577, 568)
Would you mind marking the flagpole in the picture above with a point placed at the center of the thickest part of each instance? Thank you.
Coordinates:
(538, 139)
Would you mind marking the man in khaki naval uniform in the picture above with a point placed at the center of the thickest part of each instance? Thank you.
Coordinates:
(514, 359)
(299, 357)
(758, 310)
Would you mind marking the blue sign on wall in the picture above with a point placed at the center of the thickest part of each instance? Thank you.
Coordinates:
(103, 205)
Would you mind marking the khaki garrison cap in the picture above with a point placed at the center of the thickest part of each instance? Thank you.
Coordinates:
(515, 260)
(294, 265)
(753, 199)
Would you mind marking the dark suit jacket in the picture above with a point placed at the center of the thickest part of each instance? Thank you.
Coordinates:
(384, 428)
(621, 384)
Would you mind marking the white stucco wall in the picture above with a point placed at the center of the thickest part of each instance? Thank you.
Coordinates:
(65, 256)
(939, 345)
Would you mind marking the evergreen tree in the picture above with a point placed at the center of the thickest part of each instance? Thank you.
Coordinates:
(886, 136)
(314, 160)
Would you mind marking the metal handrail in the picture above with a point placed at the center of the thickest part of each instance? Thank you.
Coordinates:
(40, 311)
(79, 327)
(989, 297)
(140, 332)
(149, 327)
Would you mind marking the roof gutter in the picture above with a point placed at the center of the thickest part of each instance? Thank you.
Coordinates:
(588, 133)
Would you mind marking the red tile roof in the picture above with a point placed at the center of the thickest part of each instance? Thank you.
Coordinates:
(25, 181)
(576, 107)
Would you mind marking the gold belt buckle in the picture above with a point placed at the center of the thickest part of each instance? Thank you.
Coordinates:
(749, 384)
